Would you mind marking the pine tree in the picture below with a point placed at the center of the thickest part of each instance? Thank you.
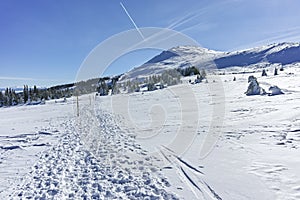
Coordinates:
(35, 90)
(264, 73)
(10, 98)
(151, 87)
(275, 71)
(35, 95)
(15, 98)
(203, 74)
(6, 98)
(116, 89)
(45, 95)
(30, 95)
(103, 88)
(25, 94)
(1, 99)
(150, 79)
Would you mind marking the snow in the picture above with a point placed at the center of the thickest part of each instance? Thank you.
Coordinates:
(275, 90)
(254, 88)
(187, 56)
(150, 145)
(30, 128)
(181, 56)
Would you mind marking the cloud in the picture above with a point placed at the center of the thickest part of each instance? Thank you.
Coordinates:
(7, 81)
(189, 21)
(27, 79)
(199, 27)
(287, 35)
(16, 78)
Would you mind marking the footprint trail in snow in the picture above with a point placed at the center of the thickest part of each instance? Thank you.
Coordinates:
(95, 160)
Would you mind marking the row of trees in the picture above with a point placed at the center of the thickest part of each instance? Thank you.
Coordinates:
(9, 97)
(188, 71)
(264, 73)
(32, 95)
(104, 86)
(167, 78)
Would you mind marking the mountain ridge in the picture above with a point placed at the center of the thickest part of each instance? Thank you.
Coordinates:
(185, 56)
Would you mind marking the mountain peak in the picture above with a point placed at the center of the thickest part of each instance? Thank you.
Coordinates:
(192, 49)
(187, 56)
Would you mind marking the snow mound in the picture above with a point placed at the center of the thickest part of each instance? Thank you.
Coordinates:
(275, 90)
(254, 88)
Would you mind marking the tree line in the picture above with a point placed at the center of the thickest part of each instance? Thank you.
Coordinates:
(35, 95)
(104, 86)
(153, 82)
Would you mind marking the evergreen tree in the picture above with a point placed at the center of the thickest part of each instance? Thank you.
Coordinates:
(103, 88)
(30, 95)
(275, 71)
(1, 99)
(10, 98)
(35, 95)
(116, 89)
(6, 98)
(25, 94)
(15, 98)
(264, 73)
(188, 71)
(35, 90)
(151, 87)
(203, 74)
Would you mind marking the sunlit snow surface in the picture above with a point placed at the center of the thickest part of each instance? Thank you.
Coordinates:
(47, 151)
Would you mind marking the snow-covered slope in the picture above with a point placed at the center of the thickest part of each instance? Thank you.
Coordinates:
(257, 153)
(184, 56)
(282, 53)
(148, 145)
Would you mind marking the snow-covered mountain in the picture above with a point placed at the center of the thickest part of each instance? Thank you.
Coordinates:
(184, 56)
(281, 53)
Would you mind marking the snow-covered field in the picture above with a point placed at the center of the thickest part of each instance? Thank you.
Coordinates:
(202, 141)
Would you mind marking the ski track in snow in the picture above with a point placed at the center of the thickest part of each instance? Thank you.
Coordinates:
(190, 174)
(94, 165)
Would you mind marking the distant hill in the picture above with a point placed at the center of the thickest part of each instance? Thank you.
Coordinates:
(185, 56)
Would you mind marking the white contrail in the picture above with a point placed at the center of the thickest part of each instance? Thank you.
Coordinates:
(132, 20)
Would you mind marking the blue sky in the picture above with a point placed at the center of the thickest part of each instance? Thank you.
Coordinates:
(45, 42)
